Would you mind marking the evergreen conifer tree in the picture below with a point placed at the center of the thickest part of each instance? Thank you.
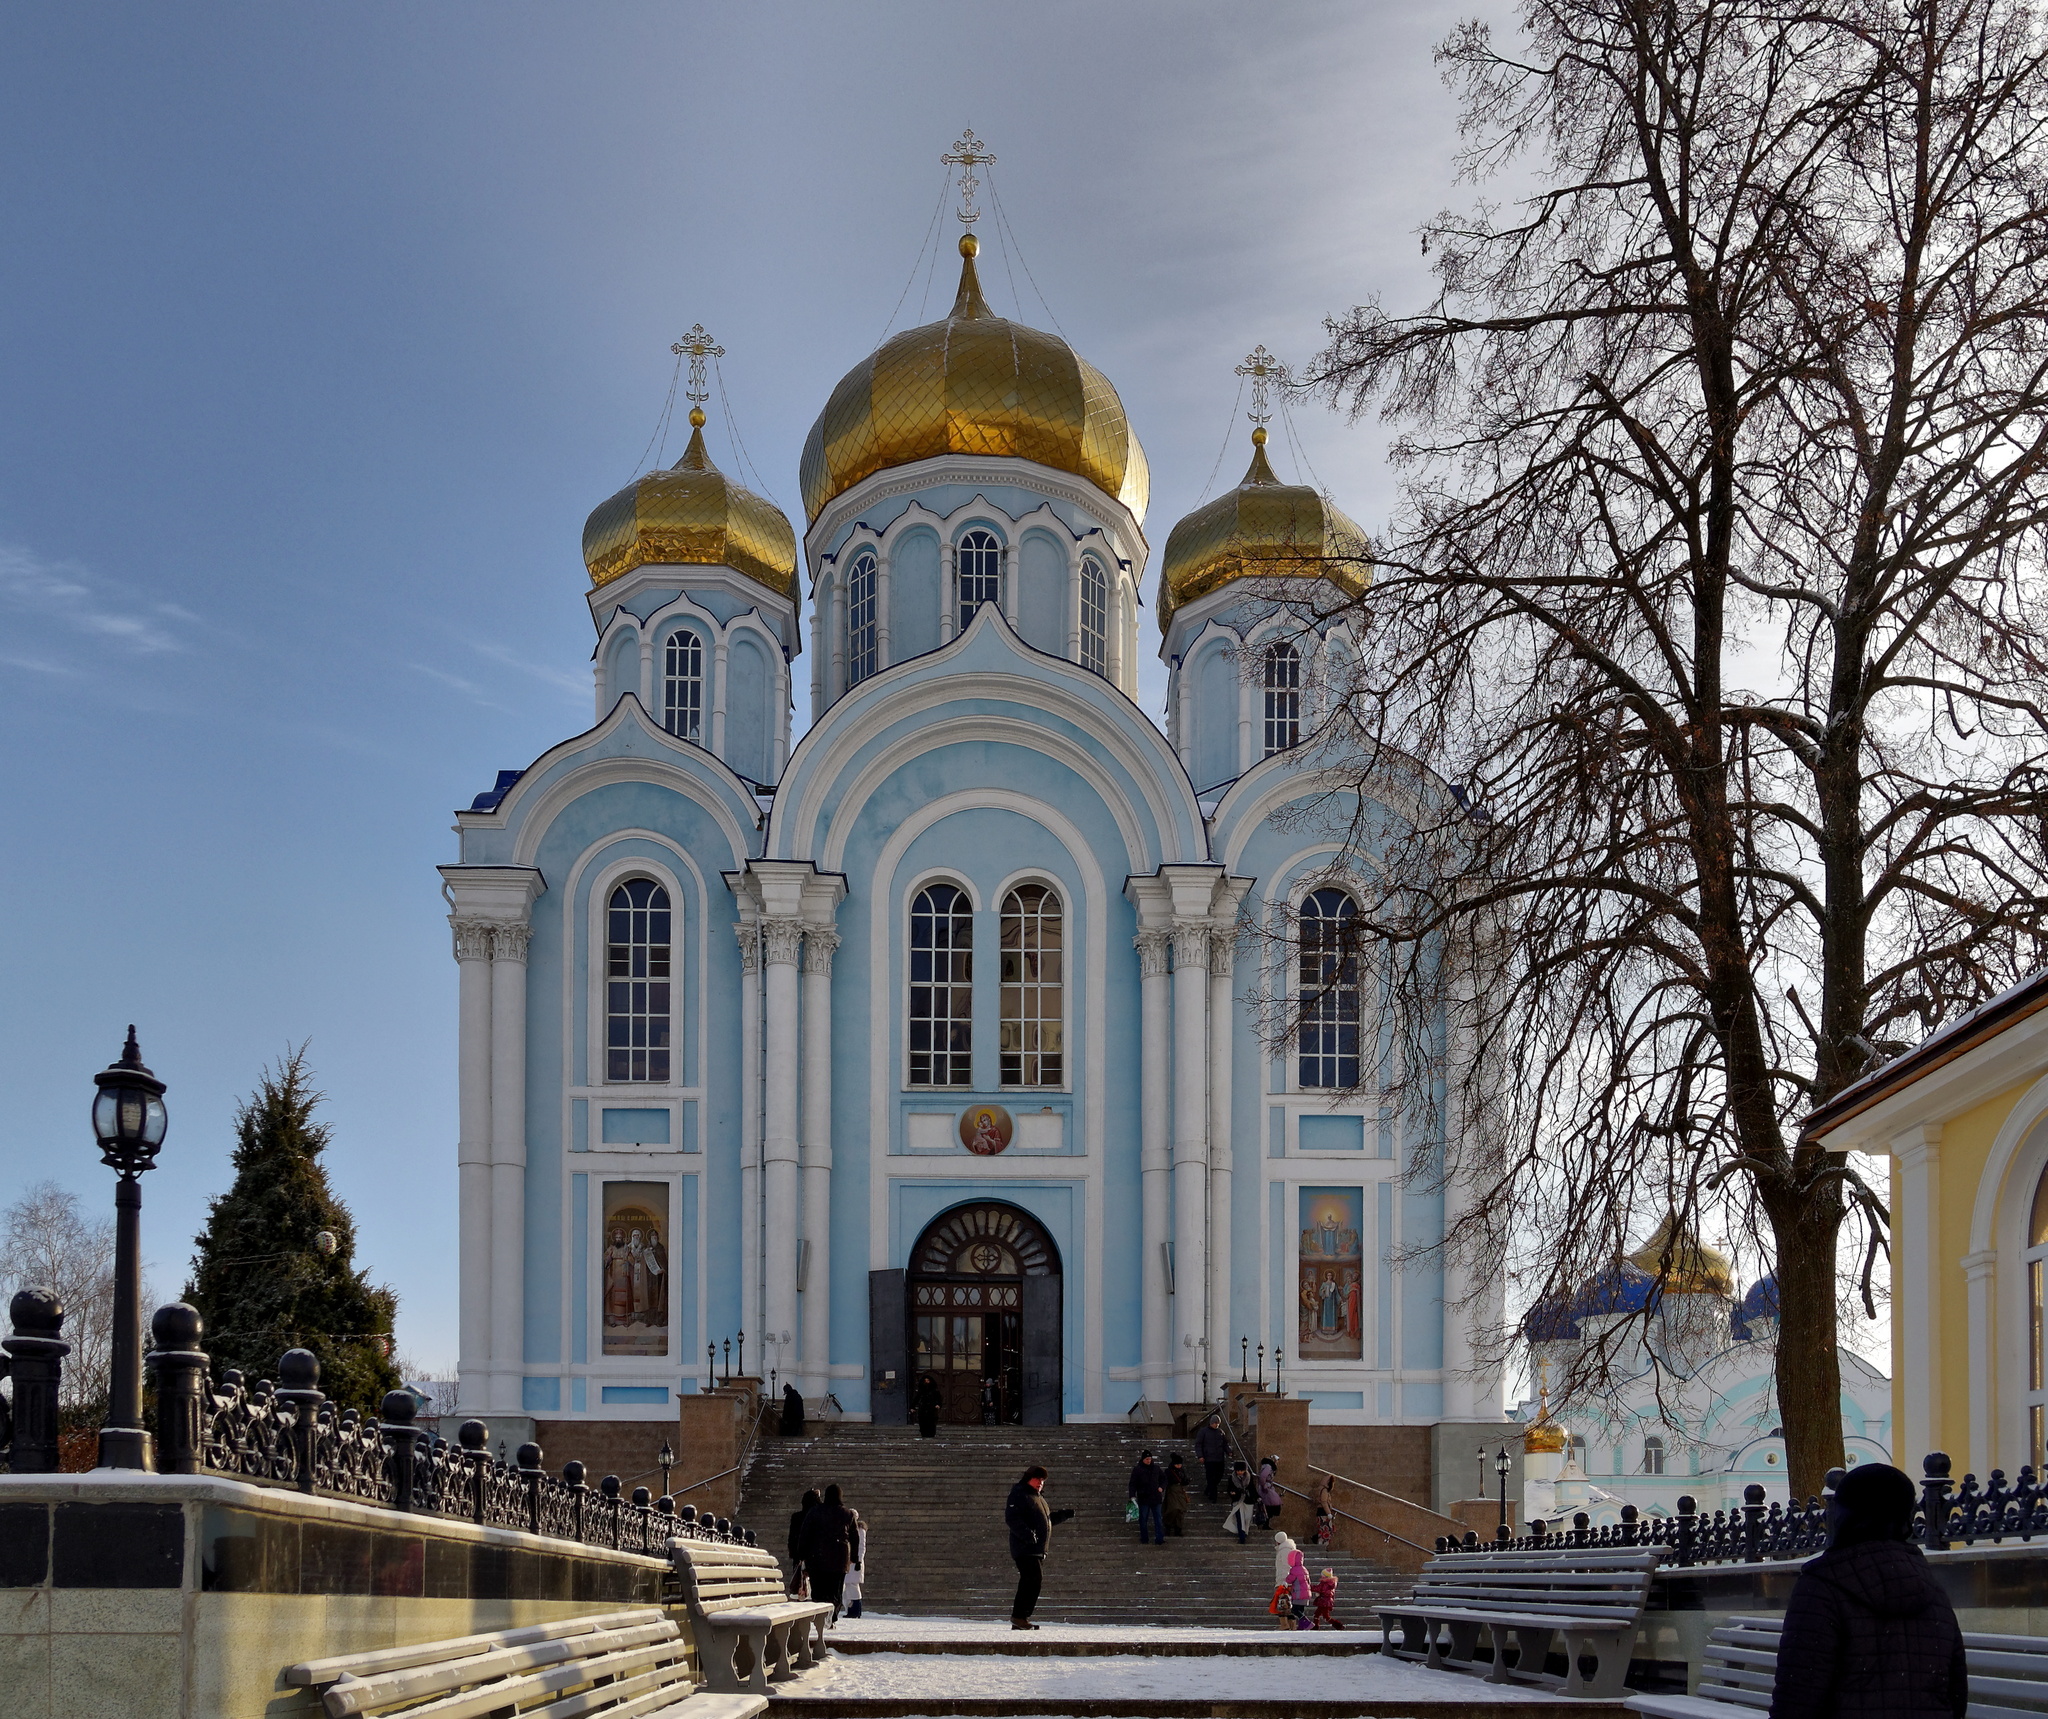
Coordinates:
(259, 1279)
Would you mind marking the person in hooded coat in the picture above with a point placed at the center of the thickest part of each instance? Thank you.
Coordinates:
(811, 1501)
(1174, 1508)
(792, 1412)
(1869, 1634)
(926, 1402)
(827, 1543)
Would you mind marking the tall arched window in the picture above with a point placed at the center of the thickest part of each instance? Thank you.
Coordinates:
(979, 573)
(1283, 697)
(637, 967)
(941, 987)
(1094, 617)
(860, 621)
(1034, 988)
(1329, 990)
(682, 686)
(1653, 1455)
(2037, 1325)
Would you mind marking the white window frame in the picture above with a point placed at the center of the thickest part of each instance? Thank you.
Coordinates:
(671, 681)
(1063, 918)
(918, 887)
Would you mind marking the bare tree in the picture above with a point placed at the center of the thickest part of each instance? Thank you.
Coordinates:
(47, 1242)
(1715, 595)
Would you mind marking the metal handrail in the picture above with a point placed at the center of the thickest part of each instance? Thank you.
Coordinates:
(1252, 1462)
(746, 1452)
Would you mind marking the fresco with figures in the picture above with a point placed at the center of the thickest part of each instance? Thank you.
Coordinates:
(1332, 1269)
(636, 1268)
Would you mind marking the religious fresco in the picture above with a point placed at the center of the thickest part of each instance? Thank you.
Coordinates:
(635, 1269)
(985, 1129)
(1332, 1275)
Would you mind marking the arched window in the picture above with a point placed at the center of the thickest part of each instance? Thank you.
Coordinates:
(1653, 1455)
(1329, 990)
(979, 573)
(682, 686)
(941, 987)
(2037, 1324)
(1034, 988)
(1094, 617)
(1283, 697)
(860, 621)
(637, 967)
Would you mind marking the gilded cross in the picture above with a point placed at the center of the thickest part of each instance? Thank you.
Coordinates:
(1263, 368)
(968, 154)
(697, 346)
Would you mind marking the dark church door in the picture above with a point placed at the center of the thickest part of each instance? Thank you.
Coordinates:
(983, 1316)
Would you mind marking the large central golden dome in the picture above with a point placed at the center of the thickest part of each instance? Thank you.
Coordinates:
(974, 384)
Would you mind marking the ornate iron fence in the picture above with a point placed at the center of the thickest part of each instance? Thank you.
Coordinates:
(1753, 1534)
(291, 1434)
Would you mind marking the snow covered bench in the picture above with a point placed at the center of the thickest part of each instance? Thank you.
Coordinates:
(734, 1598)
(1592, 1598)
(632, 1664)
(2008, 1675)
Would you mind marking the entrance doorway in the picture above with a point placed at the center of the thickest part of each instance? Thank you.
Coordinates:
(983, 1316)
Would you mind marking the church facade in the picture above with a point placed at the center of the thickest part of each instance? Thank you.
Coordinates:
(935, 1041)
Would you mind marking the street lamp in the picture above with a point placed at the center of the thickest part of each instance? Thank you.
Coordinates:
(665, 1461)
(128, 1119)
(1501, 1465)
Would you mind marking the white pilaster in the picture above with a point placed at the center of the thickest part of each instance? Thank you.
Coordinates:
(719, 651)
(781, 938)
(816, 1297)
(508, 1166)
(647, 701)
(473, 1158)
(1980, 1287)
(1250, 734)
(1916, 1225)
(1190, 1153)
(1006, 582)
(1156, 1161)
(884, 654)
(836, 618)
(1222, 954)
(1114, 644)
(949, 594)
(750, 1130)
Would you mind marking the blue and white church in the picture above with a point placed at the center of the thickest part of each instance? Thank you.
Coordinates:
(931, 1042)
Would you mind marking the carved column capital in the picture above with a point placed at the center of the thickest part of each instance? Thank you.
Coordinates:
(819, 943)
(1151, 946)
(750, 948)
(1191, 943)
(508, 942)
(780, 941)
(1222, 950)
(472, 939)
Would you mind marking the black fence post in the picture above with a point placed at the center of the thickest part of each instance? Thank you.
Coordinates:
(611, 1486)
(1752, 1524)
(402, 1439)
(35, 1362)
(533, 1476)
(182, 1388)
(1934, 1501)
(298, 1383)
(1688, 1528)
(474, 1436)
(579, 1497)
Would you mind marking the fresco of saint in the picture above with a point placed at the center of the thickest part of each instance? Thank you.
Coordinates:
(1331, 1272)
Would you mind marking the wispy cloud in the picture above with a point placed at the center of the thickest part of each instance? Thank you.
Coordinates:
(580, 685)
(62, 595)
(468, 688)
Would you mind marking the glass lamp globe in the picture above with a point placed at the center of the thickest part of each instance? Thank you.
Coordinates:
(128, 1115)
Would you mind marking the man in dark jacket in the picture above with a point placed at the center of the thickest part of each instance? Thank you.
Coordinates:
(826, 1543)
(1869, 1634)
(1212, 1450)
(1030, 1522)
(811, 1500)
(1148, 1488)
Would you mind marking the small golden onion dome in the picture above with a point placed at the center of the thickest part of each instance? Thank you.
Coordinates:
(1544, 1437)
(1696, 1269)
(1262, 529)
(974, 384)
(691, 515)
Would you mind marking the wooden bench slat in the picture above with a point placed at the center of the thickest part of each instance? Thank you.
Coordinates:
(1519, 1620)
(494, 1697)
(313, 1671)
(649, 1696)
(353, 1695)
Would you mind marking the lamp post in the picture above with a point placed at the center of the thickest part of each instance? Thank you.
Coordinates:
(128, 1119)
(665, 1461)
(1501, 1465)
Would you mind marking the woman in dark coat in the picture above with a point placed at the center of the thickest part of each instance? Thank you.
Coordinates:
(811, 1501)
(1869, 1633)
(827, 1543)
(1175, 1508)
(926, 1403)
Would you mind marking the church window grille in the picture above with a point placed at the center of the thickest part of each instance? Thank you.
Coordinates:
(1094, 617)
(1653, 1455)
(941, 987)
(979, 574)
(1283, 697)
(1329, 990)
(860, 621)
(682, 686)
(637, 967)
(1034, 988)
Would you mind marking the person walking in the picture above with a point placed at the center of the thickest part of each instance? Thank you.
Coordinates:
(991, 1402)
(1269, 1498)
(811, 1500)
(1148, 1491)
(856, 1572)
(1031, 1522)
(1174, 1508)
(792, 1412)
(927, 1405)
(828, 1546)
(1869, 1633)
(1212, 1451)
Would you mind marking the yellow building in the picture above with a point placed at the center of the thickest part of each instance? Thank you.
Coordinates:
(1963, 1118)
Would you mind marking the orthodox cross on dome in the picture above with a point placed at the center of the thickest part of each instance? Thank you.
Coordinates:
(697, 346)
(1263, 368)
(968, 154)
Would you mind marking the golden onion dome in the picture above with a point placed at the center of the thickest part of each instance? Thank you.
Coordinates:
(1262, 529)
(1544, 1437)
(974, 384)
(1695, 1269)
(691, 515)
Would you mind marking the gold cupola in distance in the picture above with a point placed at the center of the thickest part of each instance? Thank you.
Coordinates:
(1263, 529)
(974, 383)
(691, 515)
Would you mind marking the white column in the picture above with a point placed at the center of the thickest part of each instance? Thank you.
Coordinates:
(1190, 1153)
(1249, 742)
(1222, 951)
(836, 633)
(1114, 644)
(1074, 611)
(883, 655)
(1006, 582)
(508, 1166)
(783, 696)
(1916, 1227)
(473, 1159)
(750, 1132)
(1980, 1285)
(780, 940)
(1155, 1005)
(819, 942)
(949, 594)
(817, 661)
(647, 673)
(716, 737)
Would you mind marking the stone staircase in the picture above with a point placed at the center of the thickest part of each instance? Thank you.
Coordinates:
(937, 1545)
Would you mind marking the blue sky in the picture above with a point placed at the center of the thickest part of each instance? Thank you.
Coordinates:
(323, 328)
